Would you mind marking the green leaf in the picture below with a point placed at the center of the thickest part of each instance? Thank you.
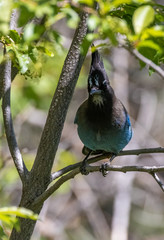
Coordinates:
(5, 7)
(156, 32)
(25, 15)
(150, 44)
(86, 43)
(116, 3)
(72, 17)
(142, 18)
(29, 32)
(20, 212)
(15, 36)
(8, 219)
(87, 2)
(2, 234)
(46, 51)
(150, 50)
(33, 32)
(23, 62)
(93, 22)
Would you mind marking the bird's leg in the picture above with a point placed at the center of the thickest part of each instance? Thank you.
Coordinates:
(103, 167)
(84, 163)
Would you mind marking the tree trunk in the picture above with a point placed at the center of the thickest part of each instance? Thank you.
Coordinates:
(38, 179)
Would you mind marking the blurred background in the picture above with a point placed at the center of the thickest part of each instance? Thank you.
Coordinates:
(118, 207)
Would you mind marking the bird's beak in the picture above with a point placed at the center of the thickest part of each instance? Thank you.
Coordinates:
(95, 91)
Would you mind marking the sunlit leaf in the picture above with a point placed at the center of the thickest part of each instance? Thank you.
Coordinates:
(5, 8)
(150, 44)
(150, 51)
(46, 51)
(2, 234)
(15, 36)
(29, 32)
(87, 2)
(116, 3)
(8, 218)
(23, 62)
(156, 32)
(20, 212)
(72, 17)
(25, 15)
(33, 32)
(142, 18)
(93, 22)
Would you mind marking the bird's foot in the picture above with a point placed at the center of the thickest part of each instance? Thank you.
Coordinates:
(103, 169)
(83, 169)
(112, 157)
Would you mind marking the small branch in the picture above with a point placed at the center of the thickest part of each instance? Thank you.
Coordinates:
(157, 179)
(14, 70)
(40, 200)
(147, 61)
(8, 123)
(65, 170)
(141, 151)
(124, 169)
(72, 170)
(148, 169)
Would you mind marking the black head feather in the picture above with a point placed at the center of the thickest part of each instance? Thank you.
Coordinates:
(99, 88)
(98, 78)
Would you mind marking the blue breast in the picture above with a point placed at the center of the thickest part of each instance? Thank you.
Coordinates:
(113, 138)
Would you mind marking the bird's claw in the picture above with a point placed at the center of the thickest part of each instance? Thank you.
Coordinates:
(83, 169)
(103, 169)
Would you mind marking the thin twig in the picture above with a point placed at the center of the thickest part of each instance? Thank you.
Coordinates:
(155, 176)
(65, 170)
(54, 187)
(147, 61)
(72, 174)
(8, 123)
(124, 169)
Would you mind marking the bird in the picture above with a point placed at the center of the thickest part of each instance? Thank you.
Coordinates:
(103, 123)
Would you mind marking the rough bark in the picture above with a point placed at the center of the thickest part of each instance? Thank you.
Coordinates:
(14, 71)
(40, 175)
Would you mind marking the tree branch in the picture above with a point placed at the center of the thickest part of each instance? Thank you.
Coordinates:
(6, 108)
(71, 171)
(147, 169)
(38, 201)
(57, 113)
(124, 169)
(157, 179)
(147, 61)
(14, 70)
(65, 170)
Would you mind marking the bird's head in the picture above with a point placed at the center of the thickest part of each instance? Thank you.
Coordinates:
(98, 83)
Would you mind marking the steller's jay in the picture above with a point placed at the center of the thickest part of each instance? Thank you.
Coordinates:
(103, 122)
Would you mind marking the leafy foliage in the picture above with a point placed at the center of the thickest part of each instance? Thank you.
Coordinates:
(139, 21)
(8, 218)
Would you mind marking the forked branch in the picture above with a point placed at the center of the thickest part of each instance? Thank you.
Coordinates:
(147, 61)
(71, 171)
